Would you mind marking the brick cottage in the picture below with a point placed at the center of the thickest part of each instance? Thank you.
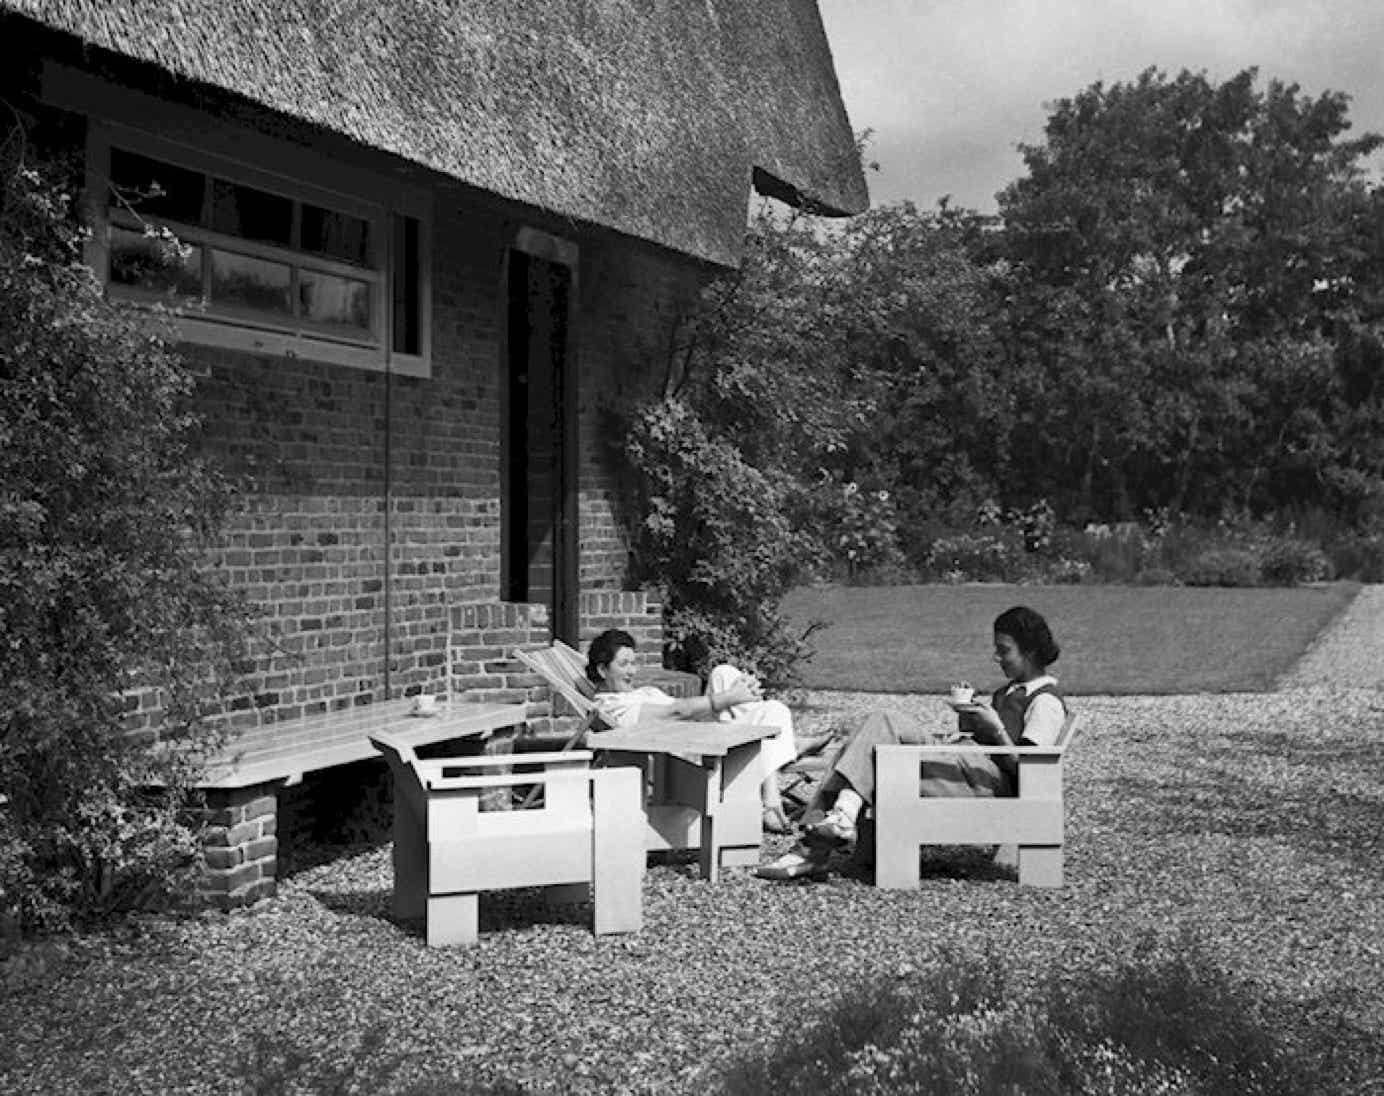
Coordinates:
(424, 247)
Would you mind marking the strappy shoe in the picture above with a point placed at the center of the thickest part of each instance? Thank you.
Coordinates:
(775, 821)
(835, 829)
(799, 862)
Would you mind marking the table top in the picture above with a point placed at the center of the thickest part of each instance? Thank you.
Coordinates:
(679, 736)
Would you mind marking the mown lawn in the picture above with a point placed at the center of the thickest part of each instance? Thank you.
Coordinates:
(1116, 640)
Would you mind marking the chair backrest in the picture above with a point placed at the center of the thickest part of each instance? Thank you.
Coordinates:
(1068, 731)
(555, 665)
(401, 758)
(572, 656)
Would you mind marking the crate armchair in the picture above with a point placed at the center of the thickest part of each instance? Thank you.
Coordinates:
(1033, 819)
(585, 840)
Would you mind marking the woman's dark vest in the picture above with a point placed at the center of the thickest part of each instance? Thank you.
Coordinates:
(1011, 706)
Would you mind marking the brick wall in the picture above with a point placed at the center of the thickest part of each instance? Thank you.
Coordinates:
(309, 547)
(631, 299)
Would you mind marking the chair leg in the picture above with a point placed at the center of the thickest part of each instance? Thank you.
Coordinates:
(453, 919)
(410, 855)
(896, 861)
(710, 852)
(617, 851)
(1040, 867)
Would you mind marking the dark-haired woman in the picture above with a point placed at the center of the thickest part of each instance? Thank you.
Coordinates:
(730, 696)
(1026, 710)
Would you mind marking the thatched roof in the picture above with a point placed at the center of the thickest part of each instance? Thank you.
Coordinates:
(645, 116)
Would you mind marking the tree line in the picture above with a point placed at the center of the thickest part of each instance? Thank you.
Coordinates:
(1175, 315)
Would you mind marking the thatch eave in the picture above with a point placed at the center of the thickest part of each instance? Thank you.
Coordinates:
(647, 121)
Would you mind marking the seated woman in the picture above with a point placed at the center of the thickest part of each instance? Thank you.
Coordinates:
(1027, 710)
(730, 696)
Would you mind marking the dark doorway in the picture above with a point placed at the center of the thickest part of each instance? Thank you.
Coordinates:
(540, 504)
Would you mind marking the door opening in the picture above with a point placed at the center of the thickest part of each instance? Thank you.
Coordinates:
(539, 544)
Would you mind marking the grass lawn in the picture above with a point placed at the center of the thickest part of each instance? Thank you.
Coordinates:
(1116, 640)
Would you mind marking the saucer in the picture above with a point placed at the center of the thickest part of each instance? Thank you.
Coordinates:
(960, 706)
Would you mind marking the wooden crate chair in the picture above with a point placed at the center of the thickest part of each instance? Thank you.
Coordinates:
(1033, 820)
(586, 841)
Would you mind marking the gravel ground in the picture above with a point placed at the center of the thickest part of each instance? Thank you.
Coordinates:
(1348, 654)
(1251, 823)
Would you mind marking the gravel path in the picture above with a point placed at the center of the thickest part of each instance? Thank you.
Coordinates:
(1347, 655)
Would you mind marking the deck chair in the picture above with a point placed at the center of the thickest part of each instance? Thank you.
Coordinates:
(586, 841)
(564, 672)
(1033, 820)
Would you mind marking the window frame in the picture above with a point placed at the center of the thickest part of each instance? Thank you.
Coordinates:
(235, 155)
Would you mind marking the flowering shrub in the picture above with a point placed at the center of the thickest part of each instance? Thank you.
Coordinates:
(1289, 561)
(103, 520)
(868, 532)
(716, 537)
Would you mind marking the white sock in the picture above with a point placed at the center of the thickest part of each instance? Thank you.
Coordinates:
(848, 802)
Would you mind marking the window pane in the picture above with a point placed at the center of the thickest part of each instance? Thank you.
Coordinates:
(242, 281)
(251, 214)
(407, 296)
(154, 189)
(155, 264)
(338, 302)
(336, 235)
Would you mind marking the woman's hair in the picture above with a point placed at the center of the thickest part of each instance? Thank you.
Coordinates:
(603, 649)
(1030, 632)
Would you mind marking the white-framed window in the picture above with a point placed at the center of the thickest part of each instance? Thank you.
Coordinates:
(257, 259)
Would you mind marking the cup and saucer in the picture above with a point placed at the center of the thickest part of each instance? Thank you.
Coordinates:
(962, 698)
(425, 704)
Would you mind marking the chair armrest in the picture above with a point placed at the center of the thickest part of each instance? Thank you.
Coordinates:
(956, 747)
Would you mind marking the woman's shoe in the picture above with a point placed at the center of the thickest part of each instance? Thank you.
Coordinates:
(835, 828)
(775, 821)
(797, 863)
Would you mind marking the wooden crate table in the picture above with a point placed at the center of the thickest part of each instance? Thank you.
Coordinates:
(703, 792)
(242, 781)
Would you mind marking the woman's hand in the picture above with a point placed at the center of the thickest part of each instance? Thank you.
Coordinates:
(744, 690)
(987, 726)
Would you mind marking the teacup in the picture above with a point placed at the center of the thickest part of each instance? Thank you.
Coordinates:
(961, 694)
(425, 704)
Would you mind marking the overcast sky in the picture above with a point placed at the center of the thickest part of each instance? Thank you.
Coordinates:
(950, 87)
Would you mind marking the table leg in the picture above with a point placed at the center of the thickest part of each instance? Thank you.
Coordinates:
(711, 821)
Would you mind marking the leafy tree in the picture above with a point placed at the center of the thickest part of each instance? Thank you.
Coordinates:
(726, 453)
(104, 603)
(845, 384)
(1186, 253)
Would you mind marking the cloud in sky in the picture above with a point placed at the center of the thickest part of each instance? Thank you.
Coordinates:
(950, 87)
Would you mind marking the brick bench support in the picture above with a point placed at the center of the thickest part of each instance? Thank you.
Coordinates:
(240, 845)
